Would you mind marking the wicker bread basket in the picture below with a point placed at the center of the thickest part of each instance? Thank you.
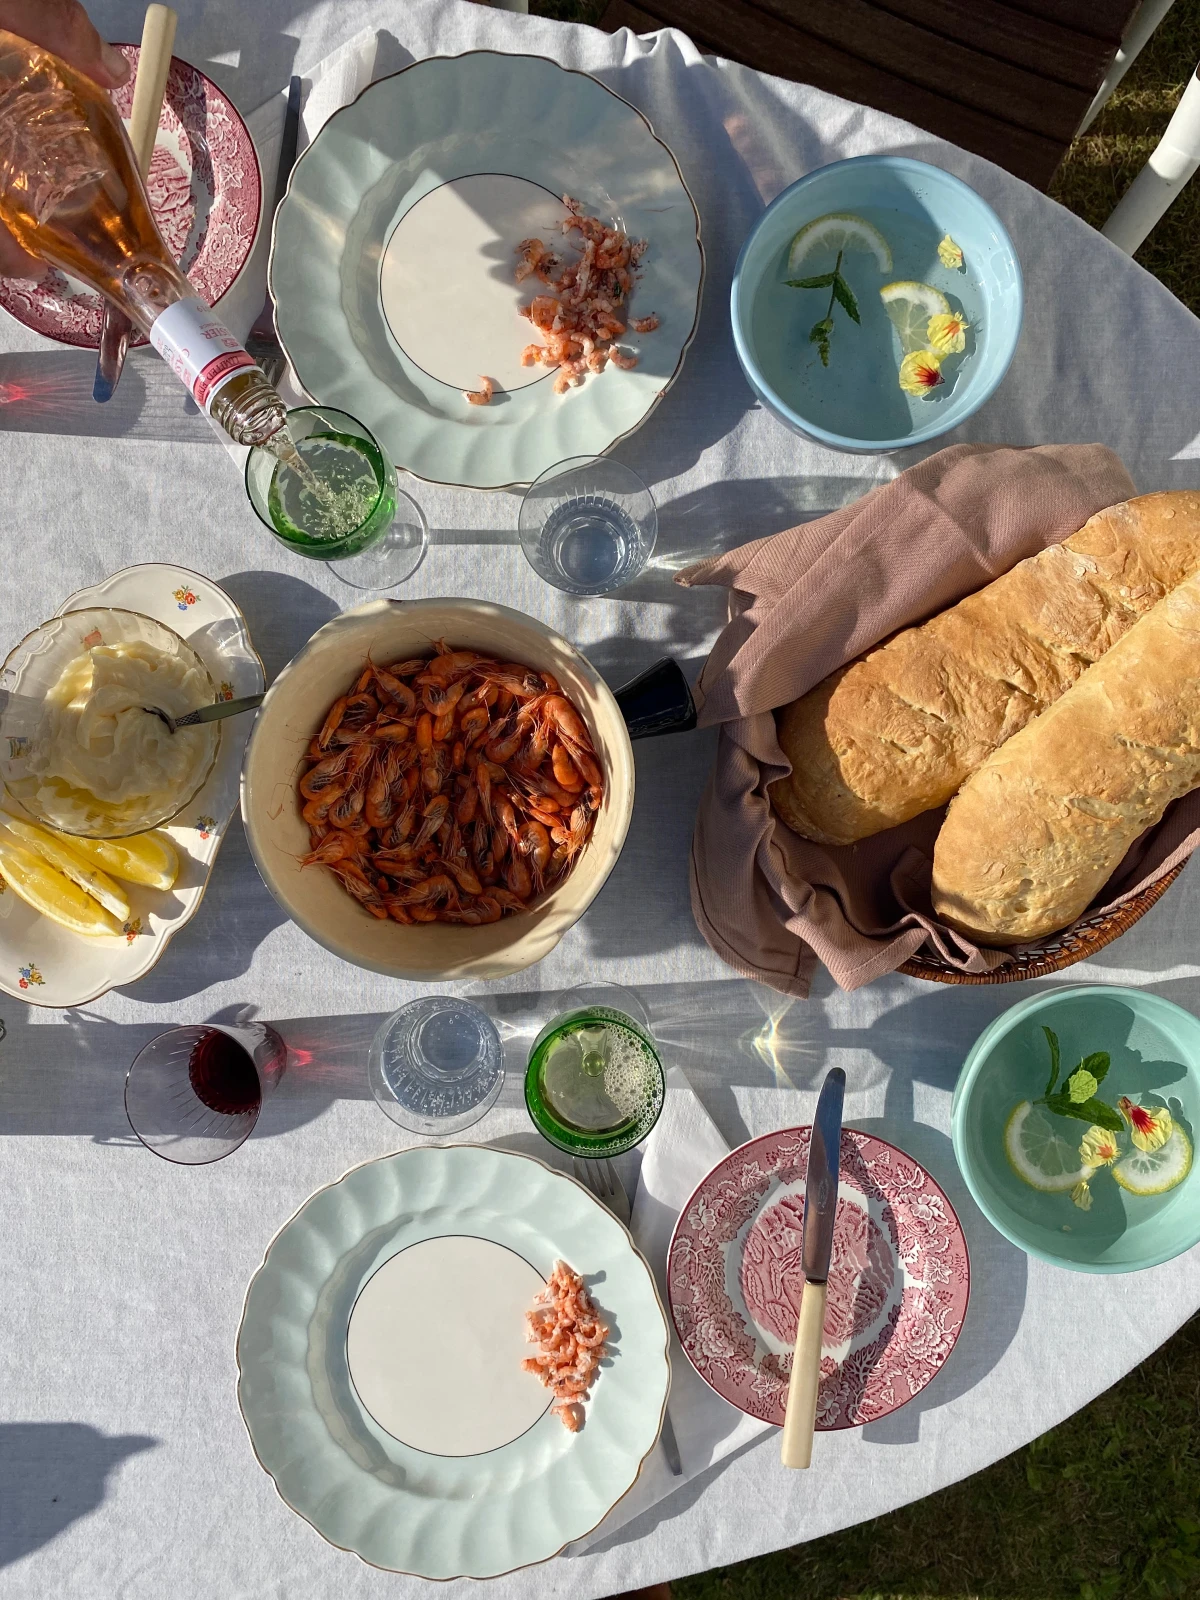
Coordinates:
(1055, 952)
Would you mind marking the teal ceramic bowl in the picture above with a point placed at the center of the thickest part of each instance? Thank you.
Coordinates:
(1155, 1051)
(856, 403)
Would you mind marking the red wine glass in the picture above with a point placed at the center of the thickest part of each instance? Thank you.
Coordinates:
(193, 1094)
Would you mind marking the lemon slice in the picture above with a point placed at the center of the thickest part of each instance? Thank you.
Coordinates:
(839, 230)
(1156, 1171)
(1039, 1155)
(910, 306)
(148, 858)
(48, 891)
(76, 867)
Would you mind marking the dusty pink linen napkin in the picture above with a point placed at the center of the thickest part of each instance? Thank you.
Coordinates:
(807, 601)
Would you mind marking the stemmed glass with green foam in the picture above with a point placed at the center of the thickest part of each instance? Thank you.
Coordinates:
(594, 1084)
(342, 505)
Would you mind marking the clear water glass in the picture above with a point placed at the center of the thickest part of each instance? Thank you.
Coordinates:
(588, 525)
(374, 535)
(193, 1094)
(436, 1065)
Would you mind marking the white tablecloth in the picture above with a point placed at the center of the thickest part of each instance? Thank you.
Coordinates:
(124, 1467)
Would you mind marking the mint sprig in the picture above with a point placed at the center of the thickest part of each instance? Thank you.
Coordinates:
(1077, 1097)
(839, 291)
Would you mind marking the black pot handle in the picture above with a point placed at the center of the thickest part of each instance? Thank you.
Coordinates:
(657, 701)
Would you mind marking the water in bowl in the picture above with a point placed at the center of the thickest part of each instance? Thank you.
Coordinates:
(591, 543)
(858, 394)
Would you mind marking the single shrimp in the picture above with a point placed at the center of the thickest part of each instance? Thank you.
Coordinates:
(346, 808)
(395, 690)
(518, 877)
(424, 731)
(467, 879)
(533, 841)
(438, 698)
(337, 846)
(566, 773)
(481, 396)
(381, 805)
(393, 733)
(325, 773)
(332, 723)
(508, 901)
(468, 805)
(504, 745)
(355, 881)
(435, 768)
(434, 815)
(449, 664)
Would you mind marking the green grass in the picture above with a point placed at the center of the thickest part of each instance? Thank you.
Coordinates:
(1101, 166)
(1107, 1506)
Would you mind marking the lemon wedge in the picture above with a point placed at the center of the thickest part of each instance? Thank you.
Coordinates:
(839, 230)
(148, 858)
(910, 306)
(1156, 1171)
(40, 885)
(1038, 1153)
(59, 854)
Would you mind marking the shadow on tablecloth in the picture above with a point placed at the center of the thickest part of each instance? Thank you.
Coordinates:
(51, 1474)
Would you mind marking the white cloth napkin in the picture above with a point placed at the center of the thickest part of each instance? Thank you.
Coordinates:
(336, 80)
(684, 1146)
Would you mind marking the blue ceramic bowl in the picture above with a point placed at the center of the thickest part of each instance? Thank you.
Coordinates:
(1155, 1050)
(856, 403)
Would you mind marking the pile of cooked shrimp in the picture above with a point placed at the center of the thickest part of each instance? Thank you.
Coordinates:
(569, 1333)
(586, 314)
(450, 788)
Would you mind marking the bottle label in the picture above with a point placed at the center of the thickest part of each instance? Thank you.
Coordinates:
(198, 348)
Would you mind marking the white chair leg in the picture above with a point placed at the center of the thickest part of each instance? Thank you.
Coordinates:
(1149, 15)
(1175, 158)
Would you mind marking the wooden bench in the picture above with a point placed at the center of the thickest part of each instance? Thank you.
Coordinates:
(1008, 79)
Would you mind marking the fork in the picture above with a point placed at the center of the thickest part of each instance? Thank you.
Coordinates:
(600, 1176)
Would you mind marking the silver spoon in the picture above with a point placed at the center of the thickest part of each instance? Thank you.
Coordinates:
(214, 713)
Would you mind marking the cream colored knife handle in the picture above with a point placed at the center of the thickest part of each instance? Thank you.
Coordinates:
(801, 1415)
(150, 85)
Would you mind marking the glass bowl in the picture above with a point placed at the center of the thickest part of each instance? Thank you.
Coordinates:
(27, 678)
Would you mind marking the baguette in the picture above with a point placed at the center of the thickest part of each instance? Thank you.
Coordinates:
(896, 732)
(1033, 836)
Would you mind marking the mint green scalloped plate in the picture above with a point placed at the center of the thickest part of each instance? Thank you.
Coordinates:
(395, 1506)
(407, 136)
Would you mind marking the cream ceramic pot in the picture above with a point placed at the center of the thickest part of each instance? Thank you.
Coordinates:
(295, 707)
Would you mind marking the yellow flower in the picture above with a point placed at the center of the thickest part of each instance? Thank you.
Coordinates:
(949, 254)
(920, 372)
(1149, 1126)
(1098, 1147)
(947, 333)
(1081, 1194)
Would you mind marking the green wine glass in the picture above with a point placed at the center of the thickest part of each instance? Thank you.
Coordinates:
(339, 503)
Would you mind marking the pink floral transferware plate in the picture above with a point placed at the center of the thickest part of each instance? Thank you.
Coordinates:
(898, 1282)
(205, 190)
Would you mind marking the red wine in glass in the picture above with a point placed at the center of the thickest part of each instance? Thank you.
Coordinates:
(223, 1076)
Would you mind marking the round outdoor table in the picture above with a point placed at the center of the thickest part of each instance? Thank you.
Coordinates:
(124, 1466)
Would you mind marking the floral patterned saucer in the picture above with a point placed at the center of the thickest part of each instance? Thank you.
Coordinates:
(898, 1282)
(48, 965)
(205, 190)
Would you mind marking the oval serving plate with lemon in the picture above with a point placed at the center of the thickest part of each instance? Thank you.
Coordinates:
(79, 916)
(1073, 1124)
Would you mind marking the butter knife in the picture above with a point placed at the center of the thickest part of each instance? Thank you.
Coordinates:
(262, 341)
(820, 1214)
(149, 88)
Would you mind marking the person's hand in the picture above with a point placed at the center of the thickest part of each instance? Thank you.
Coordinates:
(64, 27)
